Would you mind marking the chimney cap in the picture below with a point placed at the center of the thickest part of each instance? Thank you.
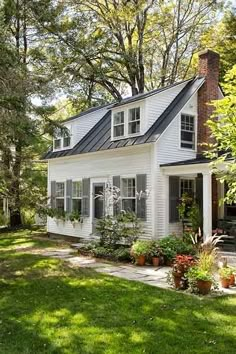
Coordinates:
(208, 51)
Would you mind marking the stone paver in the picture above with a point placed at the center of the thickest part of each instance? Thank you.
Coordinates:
(146, 274)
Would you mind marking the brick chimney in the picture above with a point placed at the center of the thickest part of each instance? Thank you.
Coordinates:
(209, 68)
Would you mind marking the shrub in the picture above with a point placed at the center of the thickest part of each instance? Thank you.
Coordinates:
(171, 245)
(140, 248)
(122, 254)
(124, 227)
(155, 250)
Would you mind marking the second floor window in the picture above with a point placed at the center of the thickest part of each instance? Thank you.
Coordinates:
(187, 131)
(118, 124)
(134, 120)
(66, 141)
(57, 143)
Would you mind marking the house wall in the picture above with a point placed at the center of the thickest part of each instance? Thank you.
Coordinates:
(100, 167)
(156, 104)
(168, 150)
(80, 126)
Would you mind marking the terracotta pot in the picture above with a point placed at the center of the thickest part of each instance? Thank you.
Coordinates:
(204, 286)
(156, 261)
(177, 281)
(232, 280)
(140, 260)
(225, 283)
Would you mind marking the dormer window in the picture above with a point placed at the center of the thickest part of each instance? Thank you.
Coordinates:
(57, 143)
(66, 141)
(134, 120)
(119, 124)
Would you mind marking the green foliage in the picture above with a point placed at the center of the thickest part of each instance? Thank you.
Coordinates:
(171, 246)
(195, 217)
(4, 220)
(155, 250)
(225, 272)
(124, 227)
(197, 273)
(224, 132)
(60, 214)
(140, 248)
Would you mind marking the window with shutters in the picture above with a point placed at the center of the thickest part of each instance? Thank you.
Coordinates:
(187, 131)
(77, 196)
(60, 195)
(118, 124)
(128, 194)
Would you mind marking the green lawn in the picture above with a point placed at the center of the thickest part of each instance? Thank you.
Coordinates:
(46, 307)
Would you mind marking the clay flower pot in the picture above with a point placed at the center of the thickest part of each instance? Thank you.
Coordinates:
(232, 280)
(204, 286)
(155, 261)
(225, 282)
(177, 280)
(140, 260)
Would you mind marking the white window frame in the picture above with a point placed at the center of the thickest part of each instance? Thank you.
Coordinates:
(134, 121)
(122, 191)
(118, 125)
(126, 109)
(187, 179)
(63, 197)
(77, 197)
(193, 148)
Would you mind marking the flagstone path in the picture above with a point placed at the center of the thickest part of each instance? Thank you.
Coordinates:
(146, 274)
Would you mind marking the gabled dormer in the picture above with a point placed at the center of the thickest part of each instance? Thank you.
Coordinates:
(128, 120)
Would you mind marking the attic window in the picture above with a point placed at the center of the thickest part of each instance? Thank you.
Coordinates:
(57, 143)
(118, 124)
(134, 120)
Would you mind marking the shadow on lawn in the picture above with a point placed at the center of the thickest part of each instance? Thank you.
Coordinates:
(46, 307)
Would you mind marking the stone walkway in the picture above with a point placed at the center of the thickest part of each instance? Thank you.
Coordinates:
(146, 274)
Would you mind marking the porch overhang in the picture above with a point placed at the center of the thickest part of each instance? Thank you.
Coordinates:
(193, 167)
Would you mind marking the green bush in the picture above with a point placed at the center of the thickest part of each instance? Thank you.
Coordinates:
(4, 220)
(124, 227)
(171, 245)
(122, 254)
(141, 248)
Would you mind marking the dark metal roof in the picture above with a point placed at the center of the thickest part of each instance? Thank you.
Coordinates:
(88, 111)
(142, 96)
(99, 137)
(199, 159)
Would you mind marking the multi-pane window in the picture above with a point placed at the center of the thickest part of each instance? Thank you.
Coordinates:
(66, 141)
(77, 196)
(118, 124)
(134, 120)
(187, 131)
(57, 143)
(60, 195)
(187, 187)
(128, 194)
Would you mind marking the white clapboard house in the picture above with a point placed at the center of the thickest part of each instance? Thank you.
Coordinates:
(149, 142)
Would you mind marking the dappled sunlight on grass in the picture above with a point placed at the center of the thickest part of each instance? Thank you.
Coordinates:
(47, 307)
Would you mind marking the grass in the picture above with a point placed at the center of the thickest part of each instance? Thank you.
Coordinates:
(47, 307)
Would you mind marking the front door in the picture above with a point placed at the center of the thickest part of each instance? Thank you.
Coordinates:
(98, 203)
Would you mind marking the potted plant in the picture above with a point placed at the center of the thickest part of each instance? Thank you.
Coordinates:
(225, 276)
(232, 277)
(139, 251)
(181, 265)
(201, 278)
(155, 253)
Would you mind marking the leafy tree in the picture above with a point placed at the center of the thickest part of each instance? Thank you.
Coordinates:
(223, 151)
(128, 45)
(222, 39)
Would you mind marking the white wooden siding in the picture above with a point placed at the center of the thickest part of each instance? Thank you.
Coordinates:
(156, 104)
(100, 166)
(168, 150)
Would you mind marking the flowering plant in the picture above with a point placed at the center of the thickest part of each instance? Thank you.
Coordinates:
(182, 263)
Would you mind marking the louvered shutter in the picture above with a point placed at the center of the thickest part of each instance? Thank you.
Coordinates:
(141, 196)
(69, 196)
(117, 204)
(173, 198)
(86, 196)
